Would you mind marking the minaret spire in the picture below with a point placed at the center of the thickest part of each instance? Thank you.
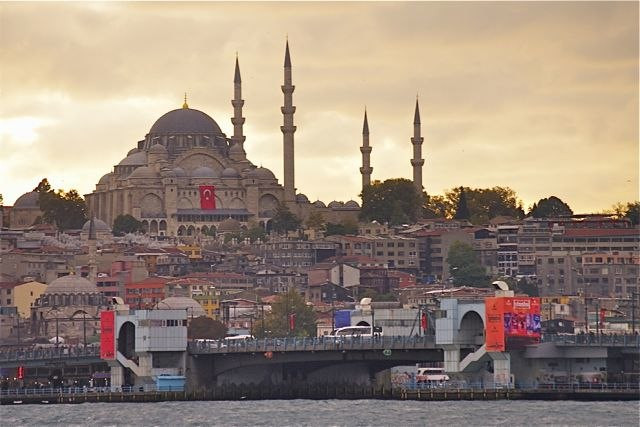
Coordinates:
(288, 129)
(236, 151)
(417, 162)
(366, 168)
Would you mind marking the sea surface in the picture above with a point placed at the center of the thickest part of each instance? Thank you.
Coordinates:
(327, 413)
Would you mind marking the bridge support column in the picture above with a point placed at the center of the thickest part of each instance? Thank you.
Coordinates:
(117, 377)
(451, 358)
(501, 368)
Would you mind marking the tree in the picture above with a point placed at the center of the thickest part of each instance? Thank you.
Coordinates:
(206, 328)
(438, 207)
(551, 207)
(464, 267)
(342, 228)
(124, 224)
(487, 203)
(67, 210)
(284, 220)
(277, 323)
(315, 221)
(633, 212)
(462, 210)
(375, 296)
(394, 201)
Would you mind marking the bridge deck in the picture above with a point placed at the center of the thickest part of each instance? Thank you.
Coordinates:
(312, 344)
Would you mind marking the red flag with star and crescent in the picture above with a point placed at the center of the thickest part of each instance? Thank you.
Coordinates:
(207, 197)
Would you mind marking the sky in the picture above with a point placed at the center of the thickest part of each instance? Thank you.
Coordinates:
(541, 97)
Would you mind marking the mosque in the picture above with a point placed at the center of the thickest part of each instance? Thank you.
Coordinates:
(186, 176)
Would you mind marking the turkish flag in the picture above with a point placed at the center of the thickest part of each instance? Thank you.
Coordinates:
(423, 321)
(207, 197)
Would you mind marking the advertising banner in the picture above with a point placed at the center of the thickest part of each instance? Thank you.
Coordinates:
(494, 333)
(513, 319)
(107, 335)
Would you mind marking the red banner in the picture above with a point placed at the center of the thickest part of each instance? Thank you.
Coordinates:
(423, 321)
(494, 335)
(207, 197)
(107, 335)
(292, 321)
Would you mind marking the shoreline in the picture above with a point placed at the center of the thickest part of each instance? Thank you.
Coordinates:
(238, 393)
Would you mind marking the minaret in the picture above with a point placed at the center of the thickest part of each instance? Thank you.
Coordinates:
(237, 149)
(417, 160)
(288, 130)
(366, 168)
(93, 265)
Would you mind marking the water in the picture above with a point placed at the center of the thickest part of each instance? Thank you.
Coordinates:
(327, 413)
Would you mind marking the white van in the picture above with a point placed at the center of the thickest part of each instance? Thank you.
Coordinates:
(432, 376)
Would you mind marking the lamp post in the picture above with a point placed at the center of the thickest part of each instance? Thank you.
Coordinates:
(84, 328)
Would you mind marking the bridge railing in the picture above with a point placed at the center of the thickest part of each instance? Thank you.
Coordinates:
(312, 344)
(19, 392)
(62, 352)
(463, 385)
(621, 340)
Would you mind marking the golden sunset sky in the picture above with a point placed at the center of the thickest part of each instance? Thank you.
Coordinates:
(541, 97)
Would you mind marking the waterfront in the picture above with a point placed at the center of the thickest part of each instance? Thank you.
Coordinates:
(327, 412)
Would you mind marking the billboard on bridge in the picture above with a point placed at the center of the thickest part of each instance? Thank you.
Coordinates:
(511, 321)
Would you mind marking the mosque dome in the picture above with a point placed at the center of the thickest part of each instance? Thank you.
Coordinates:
(229, 225)
(230, 173)
(105, 179)
(179, 171)
(98, 225)
(144, 172)
(133, 151)
(204, 172)
(319, 204)
(185, 120)
(28, 200)
(182, 303)
(71, 284)
(261, 173)
(336, 204)
(301, 198)
(137, 158)
(351, 204)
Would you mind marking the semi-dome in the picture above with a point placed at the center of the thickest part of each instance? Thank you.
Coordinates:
(144, 172)
(185, 120)
(98, 225)
(28, 200)
(351, 204)
(301, 198)
(71, 284)
(182, 303)
(158, 149)
(335, 204)
(229, 225)
(179, 171)
(204, 172)
(230, 173)
(319, 204)
(105, 178)
(137, 158)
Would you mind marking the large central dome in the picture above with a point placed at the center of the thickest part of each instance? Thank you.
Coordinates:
(185, 120)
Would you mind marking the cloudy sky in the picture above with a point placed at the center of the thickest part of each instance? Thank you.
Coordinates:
(541, 97)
